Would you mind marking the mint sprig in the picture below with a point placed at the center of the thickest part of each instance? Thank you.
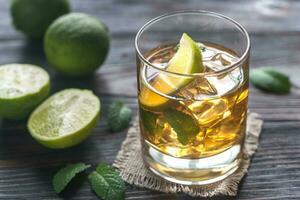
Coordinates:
(119, 116)
(105, 180)
(64, 176)
(185, 126)
(270, 80)
(107, 183)
(148, 120)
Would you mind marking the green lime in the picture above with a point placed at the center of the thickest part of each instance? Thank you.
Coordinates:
(76, 44)
(65, 119)
(22, 88)
(34, 16)
(187, 60)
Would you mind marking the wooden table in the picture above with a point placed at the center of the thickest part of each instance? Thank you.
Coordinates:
(26, 168)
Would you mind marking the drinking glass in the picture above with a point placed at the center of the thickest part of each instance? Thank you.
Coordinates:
(193, 126)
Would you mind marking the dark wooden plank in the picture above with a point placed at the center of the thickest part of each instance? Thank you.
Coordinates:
(137, 12)
(280, 51)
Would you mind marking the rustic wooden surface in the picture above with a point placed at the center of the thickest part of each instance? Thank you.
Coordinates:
(26, 168)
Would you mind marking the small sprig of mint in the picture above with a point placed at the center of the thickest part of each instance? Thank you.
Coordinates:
(270, 80)
(119, 116)
(106, 183)
(183, 124)
(148, 120)
(64, 176)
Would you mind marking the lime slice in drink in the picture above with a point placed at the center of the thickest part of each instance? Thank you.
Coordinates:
(22, 88)
(65, 119)
(187, 60)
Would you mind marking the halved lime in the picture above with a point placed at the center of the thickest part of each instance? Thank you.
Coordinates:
(65, 119)
(22, 88)
(187, 60)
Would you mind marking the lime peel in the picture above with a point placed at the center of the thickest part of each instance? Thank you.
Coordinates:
(76, 44)
(22, 88)
(32, 17)
(187, 60)
(65, 119)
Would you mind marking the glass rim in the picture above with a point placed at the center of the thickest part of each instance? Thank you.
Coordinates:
(203, 12)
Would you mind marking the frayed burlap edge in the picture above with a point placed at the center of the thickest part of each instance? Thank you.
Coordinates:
(132, 169)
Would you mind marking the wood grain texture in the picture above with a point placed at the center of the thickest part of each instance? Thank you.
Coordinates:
(26, 168)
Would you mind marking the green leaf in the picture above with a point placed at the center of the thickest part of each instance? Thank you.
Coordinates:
(183, 124)
(62, 178)
(107, 183)
(148, 120)
(270, 80)
(119, 116)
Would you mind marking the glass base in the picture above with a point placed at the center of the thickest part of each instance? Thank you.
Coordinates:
(192, 171)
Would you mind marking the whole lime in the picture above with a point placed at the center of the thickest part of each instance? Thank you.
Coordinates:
(76, 44)
(34, 16)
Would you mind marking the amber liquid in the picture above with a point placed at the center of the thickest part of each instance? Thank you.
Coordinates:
(213, 106)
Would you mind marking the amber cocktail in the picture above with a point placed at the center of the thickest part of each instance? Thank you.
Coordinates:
(192, 120)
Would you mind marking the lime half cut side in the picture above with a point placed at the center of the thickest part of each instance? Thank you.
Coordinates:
(22, 88)
(187, 60)
(65, 119)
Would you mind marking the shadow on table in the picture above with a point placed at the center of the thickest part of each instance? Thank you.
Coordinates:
(32, 52)
(20, 153)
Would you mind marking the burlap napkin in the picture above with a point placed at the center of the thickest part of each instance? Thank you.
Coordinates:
(132, 169)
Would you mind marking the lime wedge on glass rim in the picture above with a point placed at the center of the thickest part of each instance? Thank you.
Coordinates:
(65, 119)
(22, 88)
(187, 60)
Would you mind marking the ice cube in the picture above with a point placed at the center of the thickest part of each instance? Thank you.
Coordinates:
(222, 84)
(220, 60)
(208, 53)
(228, 130)
(212, 65)
(209, 112)
(224, 58)
(199, 88)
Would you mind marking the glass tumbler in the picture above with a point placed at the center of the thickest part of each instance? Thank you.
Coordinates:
(193, 125)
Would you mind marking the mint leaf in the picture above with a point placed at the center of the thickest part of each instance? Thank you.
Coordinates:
(183, 124)
(148, 120)
(107, 183)
(119, 116)
(150, 123)
(62, 178)
(270, 80)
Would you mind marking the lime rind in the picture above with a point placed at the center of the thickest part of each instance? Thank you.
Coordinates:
(76, 44)
(187, 60)
(65, 119)
(18, 80)
(70, 139)
(32, 17)
(22, 88)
